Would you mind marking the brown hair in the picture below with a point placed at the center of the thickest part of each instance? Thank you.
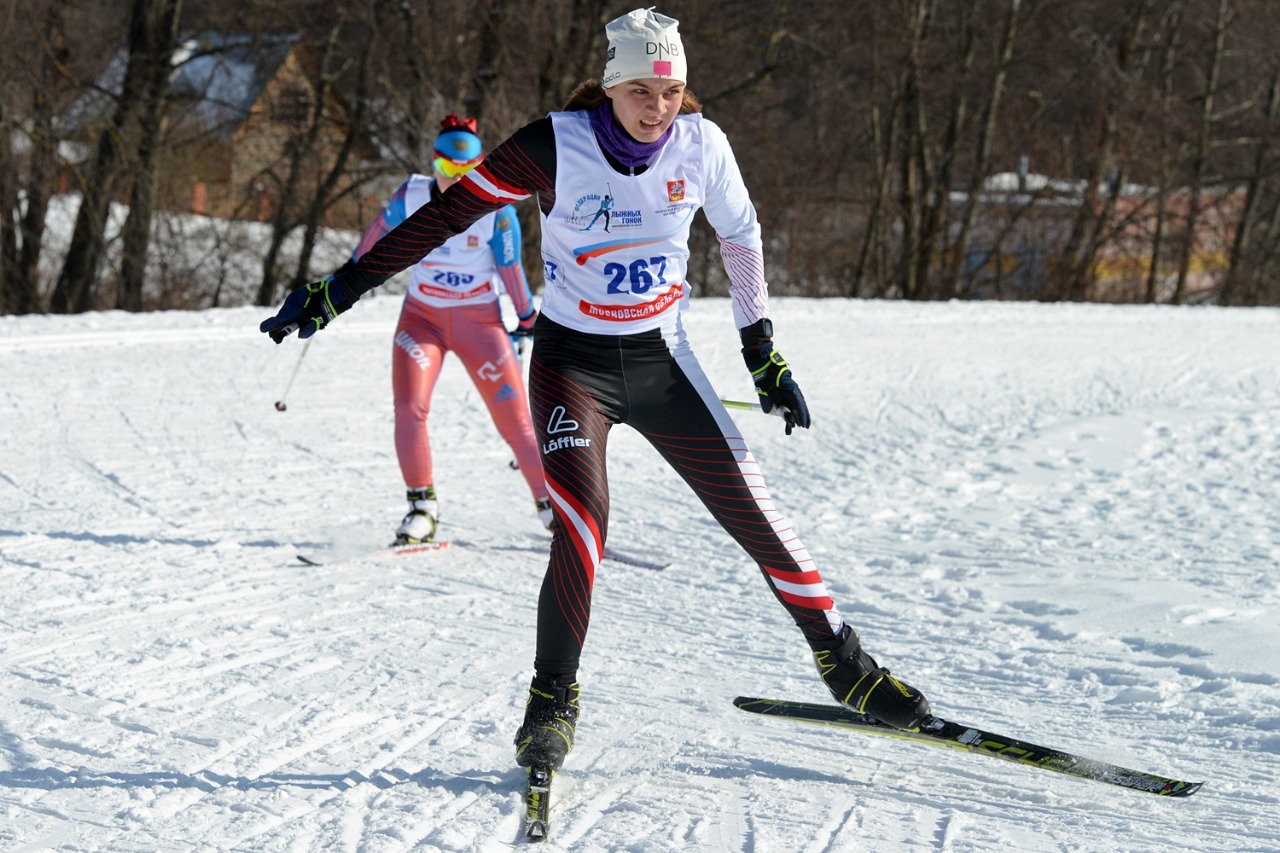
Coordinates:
(590, 94)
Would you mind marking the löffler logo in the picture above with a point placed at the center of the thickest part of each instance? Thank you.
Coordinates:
(560, 421)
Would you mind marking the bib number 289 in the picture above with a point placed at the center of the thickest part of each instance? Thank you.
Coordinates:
(639, 277)
(453, 279)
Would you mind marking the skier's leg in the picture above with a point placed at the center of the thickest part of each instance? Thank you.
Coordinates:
(573, 434)
(573, 390)
(690, 427)
(416, 356)
(489, 358)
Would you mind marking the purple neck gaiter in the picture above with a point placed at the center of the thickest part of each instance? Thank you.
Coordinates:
(617, 143)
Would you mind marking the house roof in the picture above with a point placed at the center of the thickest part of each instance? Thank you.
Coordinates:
(222, 77)
(216, 79)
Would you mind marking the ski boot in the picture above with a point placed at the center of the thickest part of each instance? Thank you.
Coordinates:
(419, 526)
(550, 717)
(859, 683)
(545, 514)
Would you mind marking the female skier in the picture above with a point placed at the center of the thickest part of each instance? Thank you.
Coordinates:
(609, 348)
(451, 304)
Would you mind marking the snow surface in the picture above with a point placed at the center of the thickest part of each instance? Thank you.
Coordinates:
(1060, 521)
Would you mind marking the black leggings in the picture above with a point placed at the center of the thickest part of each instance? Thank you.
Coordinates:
(580, 385)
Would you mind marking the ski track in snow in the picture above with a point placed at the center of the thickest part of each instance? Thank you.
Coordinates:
(1062, 522)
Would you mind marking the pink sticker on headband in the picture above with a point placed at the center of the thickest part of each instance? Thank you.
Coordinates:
(661, 68)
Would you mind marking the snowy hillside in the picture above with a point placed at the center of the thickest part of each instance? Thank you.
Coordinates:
(1062, 522)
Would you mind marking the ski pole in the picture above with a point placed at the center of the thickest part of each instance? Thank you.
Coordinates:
(754, 407)
(280, 406)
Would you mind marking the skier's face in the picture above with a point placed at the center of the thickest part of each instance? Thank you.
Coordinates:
(645, 108)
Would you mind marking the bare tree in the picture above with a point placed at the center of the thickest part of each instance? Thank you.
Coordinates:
(866, 130)
(417, 123)
(77, 283)
(157, 62)
(913, 160)
(989, 112)
(300, 161)
(486, 74)
(1104, 177)
(576, 36)
(1170, 27)
(1236, 289)
(21, 200)
(1200, 153)
(328, 189)
(872, 264)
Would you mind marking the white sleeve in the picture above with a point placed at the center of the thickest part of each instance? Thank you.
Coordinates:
(728, 208)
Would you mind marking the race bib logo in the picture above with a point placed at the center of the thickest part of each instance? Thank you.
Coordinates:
(675, 190)
(599, 211)
(591, 209)
(473, 242)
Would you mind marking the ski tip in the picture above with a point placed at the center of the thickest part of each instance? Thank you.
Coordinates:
(757, 705)
(418, 548)
(632, 560)
(753, 703)
(379, 553)
(1181, 789)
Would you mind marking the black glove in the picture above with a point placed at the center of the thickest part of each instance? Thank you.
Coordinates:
(772, 375)
(523, 331)
(309, 308)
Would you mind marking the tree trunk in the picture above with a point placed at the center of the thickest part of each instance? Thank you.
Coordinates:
(1200, 158)
(8, 220)
(578, 36)
(1256, 186)
(284, 219)
(419, 125)
(162, 35)
(1091, 220)
(325, 193)
(982, 158)
(75, 290)
(479, 97)
(914, 155)
(871, 264)
(23, 279)
(1168, 53)
(937, 190)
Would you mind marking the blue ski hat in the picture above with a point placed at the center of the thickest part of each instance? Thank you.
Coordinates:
(458, 141)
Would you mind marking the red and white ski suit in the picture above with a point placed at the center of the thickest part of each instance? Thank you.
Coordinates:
(451, 305)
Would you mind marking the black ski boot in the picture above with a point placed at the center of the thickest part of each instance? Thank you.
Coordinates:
(857, 682)
(549, 720)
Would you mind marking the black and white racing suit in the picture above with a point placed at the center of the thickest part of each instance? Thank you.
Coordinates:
(609, 347)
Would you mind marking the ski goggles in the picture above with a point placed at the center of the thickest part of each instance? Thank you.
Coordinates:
(453, 169)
